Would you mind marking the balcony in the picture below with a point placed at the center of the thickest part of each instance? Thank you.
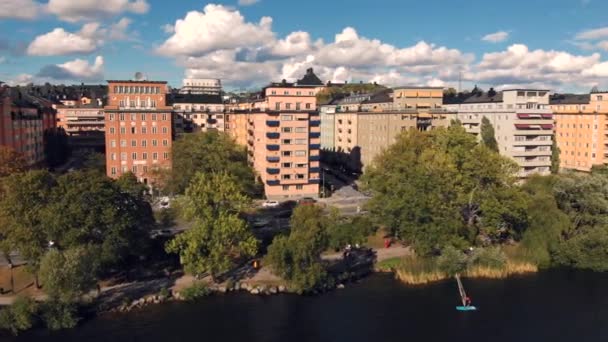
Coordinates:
(273, 171)
(315, 146)
(273, 182)
(314, 170)
(314, 158)
(273, 147)
(315, 135)
(273, 123)
(315, 123)
(271, 135)
(273, 159)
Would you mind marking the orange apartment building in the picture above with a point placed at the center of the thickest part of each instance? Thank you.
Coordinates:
(581, 129)
(138, 126)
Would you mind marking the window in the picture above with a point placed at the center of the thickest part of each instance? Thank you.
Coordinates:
(287, 165)
(300, 153)
(123, 156)
(123, 130)
(144, 156)
(164, 117)
(301, 165)
(286, 117)
(154, 130)
(134, 156)
(112, 143)
(301, 141)
(286, 129)
(133, 117)
(277, 106)
(144, 130)
(153, 117)
(299, 187)
(285, 187)
(166, 155)
(286, 177)
(301, 129)
(113, 171)
(286, 153)
(133, 130)
(123, 143)
(285, 92)
(144, 143)
(165, 142)
(111, 130)
(113, 156)
(599, 98)
(143, 117)
(155, 156)
(308, 106)
(300, 176)
(134, 169)
(154, 142)
(287, 141)
(111, 117)
(288, 106)
(274, 92)
(165, 130)
(122, 117)
(133, 143)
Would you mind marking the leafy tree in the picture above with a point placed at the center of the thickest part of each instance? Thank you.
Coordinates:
(209, 152)
(441, 188)
(95, 162)
(20, 316)
(350, 231)
(219, 237)
(24, 225)
(588, 251)
(297, 257)
(487, 135)
(69, 274)
(88, 209)
(59, 315)
(10, 161)
(452, 261)
(555, 162)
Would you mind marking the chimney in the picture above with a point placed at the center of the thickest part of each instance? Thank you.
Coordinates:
(309, 71)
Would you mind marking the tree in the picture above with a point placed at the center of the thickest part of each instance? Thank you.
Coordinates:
(219, 237)
(24, 197)
(209, 152)
(487, 135)
(67, 275)
(297, 257)
(349, 231)
(440, 188)
(555, 163)
(10, 161)
(20, 316)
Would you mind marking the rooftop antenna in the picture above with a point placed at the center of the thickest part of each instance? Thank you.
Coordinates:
(139, 76)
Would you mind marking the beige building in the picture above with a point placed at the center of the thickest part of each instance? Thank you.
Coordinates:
(83, 122)
(581, 129)
(522, 121)
(197, 113)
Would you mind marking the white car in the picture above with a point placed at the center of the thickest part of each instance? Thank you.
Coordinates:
(270, 204)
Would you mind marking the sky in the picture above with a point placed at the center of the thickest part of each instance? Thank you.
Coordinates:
(560, 45)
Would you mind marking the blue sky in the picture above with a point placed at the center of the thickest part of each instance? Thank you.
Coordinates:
(560, 44)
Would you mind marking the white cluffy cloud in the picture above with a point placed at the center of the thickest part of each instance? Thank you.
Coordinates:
(496, 37)
(20, 9)
(595, 39)
(71, 10)
(90, 38)
(78, 69)
(248, 2)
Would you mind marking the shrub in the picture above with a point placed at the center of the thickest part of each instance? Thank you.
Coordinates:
(164, 292)
(195, 292)
(20, 316)
(59, 315)
(452, 261)
(491, 257)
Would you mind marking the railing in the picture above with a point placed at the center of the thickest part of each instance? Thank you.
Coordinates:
(314, 158)
(314, 181)
(273, 147)
(273, 182)
(271, 135)
(315, 146)
(273, 159)
(314, 170)
(315, 135)
(273, 171)
(315, 123)
(273, 123)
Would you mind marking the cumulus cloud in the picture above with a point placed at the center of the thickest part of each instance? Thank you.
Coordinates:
(21, 80)
(248, 2)
(87, 10)
(595, 39)
(20, 9)
(496, 37)
(77, 70)
(60, 42)
(217, 27)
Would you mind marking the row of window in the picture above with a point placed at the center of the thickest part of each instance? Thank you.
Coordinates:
(136, 90)
(144, 156)
(133, 117)
(294, 129)
(530, 138)
(298, 187)
(586, 154)
(297, 165)
(134, 169)
(143, 130)
(580, 126)
(293, 153)
(288, 106)
(287, 92)
(295, 141)
(298, 176)
(144, 143)
(148, 103)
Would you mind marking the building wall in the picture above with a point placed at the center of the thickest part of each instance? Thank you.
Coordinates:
(346, 130)
(327, 114)
(138, 133)
(290, 98)
(236, 126)
(415, 97)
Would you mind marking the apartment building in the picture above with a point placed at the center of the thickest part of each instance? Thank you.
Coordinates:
(581, 129)
(201, 86)
(326, 113)
(522, 121)
(83, 121)
(197, 113)
(21, 127)
(364, 130)
(138, 124)
(284, 138)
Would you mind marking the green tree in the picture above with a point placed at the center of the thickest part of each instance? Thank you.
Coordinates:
(555, 163)
(24, 225)
(67, 275)
(349, 231)
(439, 188)
(452, 261)
(219, 237)
(10, 161)
(58, 315)
(487, 135)
(297, 257)
(20, 316)
(209, 152)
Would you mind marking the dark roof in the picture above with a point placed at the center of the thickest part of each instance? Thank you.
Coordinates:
(131, 81)
(483, 97)
(196, 98)
(380, 97)
(569, 99)
(310, 79)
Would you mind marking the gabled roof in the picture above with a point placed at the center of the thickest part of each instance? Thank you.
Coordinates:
(310, 79)
(380, 97)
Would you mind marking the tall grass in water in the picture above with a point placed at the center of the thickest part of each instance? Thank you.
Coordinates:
(417, 271)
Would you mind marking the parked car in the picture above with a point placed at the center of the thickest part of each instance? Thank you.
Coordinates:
(307, 201)
(270, 204)
(164, 203)
(161, 233)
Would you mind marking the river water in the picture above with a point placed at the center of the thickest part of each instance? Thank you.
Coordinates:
(549, 306)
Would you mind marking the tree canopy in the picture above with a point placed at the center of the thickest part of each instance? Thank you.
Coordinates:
(10, 161)
(487, 135)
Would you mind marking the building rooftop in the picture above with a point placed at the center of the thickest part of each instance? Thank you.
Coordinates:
(310, 79)
(139, 82)
(417, 87)
(484, 97)
(380, 97)
(557, 99)
(195, 98)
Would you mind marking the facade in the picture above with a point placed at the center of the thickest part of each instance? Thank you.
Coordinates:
(328, 126)
(201, 86)
(83, 121)
(138, 125)
(581, 128)
(418, 97)
(522, 121)
(197, 113)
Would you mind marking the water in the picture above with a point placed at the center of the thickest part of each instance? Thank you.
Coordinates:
(550, 306)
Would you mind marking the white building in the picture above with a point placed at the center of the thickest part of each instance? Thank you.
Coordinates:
(209, 86)
(197, 113)
(522, 121)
